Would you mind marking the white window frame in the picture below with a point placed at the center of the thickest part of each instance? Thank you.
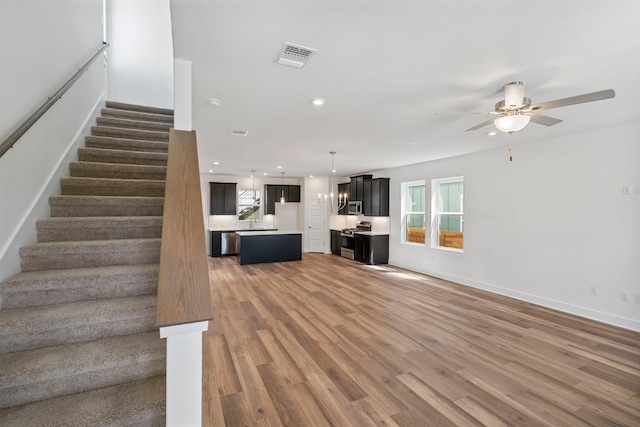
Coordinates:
(404, 209)
(436, 213)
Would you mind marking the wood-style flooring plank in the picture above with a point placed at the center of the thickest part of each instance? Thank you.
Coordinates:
(327, 341)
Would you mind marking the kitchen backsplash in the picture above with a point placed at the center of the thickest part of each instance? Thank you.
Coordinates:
(379, 224)
(231, 222)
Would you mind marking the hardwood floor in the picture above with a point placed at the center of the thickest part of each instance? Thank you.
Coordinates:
(330, 342)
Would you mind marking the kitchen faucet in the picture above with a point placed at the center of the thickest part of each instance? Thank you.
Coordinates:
(252, 221)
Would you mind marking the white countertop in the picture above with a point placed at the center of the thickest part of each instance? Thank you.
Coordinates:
(371, 233)
(266, 233)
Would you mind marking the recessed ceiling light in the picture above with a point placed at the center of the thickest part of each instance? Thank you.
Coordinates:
(216, 163)
(318, 101)
(214, 102)
(210, 170)
(492, 133)
(310, 176)
(279, 167)
(264, 174)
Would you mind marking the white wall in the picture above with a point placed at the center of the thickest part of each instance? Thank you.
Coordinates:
(141, 53)
(43, 44)
(544, 227)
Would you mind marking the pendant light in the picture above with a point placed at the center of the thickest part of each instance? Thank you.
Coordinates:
(282, 193)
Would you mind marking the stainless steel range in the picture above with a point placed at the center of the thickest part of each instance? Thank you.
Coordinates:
(347, 241)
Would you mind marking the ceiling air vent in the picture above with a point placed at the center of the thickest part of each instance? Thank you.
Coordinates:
(294, 55)
(239, 132)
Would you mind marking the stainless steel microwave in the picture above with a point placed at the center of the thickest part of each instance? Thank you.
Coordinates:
(354, 208)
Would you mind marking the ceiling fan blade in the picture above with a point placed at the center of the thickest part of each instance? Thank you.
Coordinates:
(579, 99)
(481, 125)
(543, 120)
(468, 113)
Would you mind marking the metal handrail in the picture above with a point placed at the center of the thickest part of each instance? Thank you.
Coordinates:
(35, 116)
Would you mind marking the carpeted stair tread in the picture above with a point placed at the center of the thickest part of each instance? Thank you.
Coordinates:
(133, 124)
(145, 135)
(62, 229)
(42, 373)
(112, 187)
(48, 325)
(94, 141)
(118, 171)
(139, 108)
(136, 115)
(44, 287)
(103, 155)
(135, 403)
(91, 253)
(83, 205)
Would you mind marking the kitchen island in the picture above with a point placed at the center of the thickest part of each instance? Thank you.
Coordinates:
(269, 246)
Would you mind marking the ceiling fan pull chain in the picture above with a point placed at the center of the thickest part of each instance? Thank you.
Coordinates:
(510, 156)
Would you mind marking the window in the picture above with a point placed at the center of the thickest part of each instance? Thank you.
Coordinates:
(413, 215)
(447, 208)
(249, 208)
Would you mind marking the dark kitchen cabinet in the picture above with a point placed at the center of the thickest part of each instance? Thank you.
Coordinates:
(356, 191)
(335, 242)
(366, 199)
(344, 189)
(216, 247)
(273, 194)
(376, 197)
(223, 198)
(294, 194)
(371, 249)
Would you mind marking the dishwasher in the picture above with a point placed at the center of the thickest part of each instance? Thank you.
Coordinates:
(228, 242)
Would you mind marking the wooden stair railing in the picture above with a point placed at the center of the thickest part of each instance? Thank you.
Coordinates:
(184, 300)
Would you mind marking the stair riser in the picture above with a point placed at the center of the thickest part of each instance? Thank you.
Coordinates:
(108, 376)
(88, 188)
(133, 124)
(129, 134)
(90, 292)
(53, 256)
(139, 108)
(134, 115)
(126, 144)
(54, 262)
(105, 210)
(116, 174)
(83, 234)
(120, 157)
(48, 335)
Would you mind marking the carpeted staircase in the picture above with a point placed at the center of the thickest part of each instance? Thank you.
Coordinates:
(77, 337)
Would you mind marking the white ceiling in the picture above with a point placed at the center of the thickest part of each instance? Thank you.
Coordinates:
(386, 68)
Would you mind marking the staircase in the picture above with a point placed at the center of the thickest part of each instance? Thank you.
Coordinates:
(78, 345)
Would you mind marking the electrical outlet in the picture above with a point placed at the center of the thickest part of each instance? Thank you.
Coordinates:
(626, 189)
(593, 290)
(624, 297)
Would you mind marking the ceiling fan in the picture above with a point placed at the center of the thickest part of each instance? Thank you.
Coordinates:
(515, 111)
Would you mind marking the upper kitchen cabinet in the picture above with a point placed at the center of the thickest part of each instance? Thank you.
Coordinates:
(223, 198)
(274, 192)
(356, 190)
(376, 199)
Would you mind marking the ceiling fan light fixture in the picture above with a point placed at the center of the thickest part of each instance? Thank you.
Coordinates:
(514, 95)
(512, 122)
